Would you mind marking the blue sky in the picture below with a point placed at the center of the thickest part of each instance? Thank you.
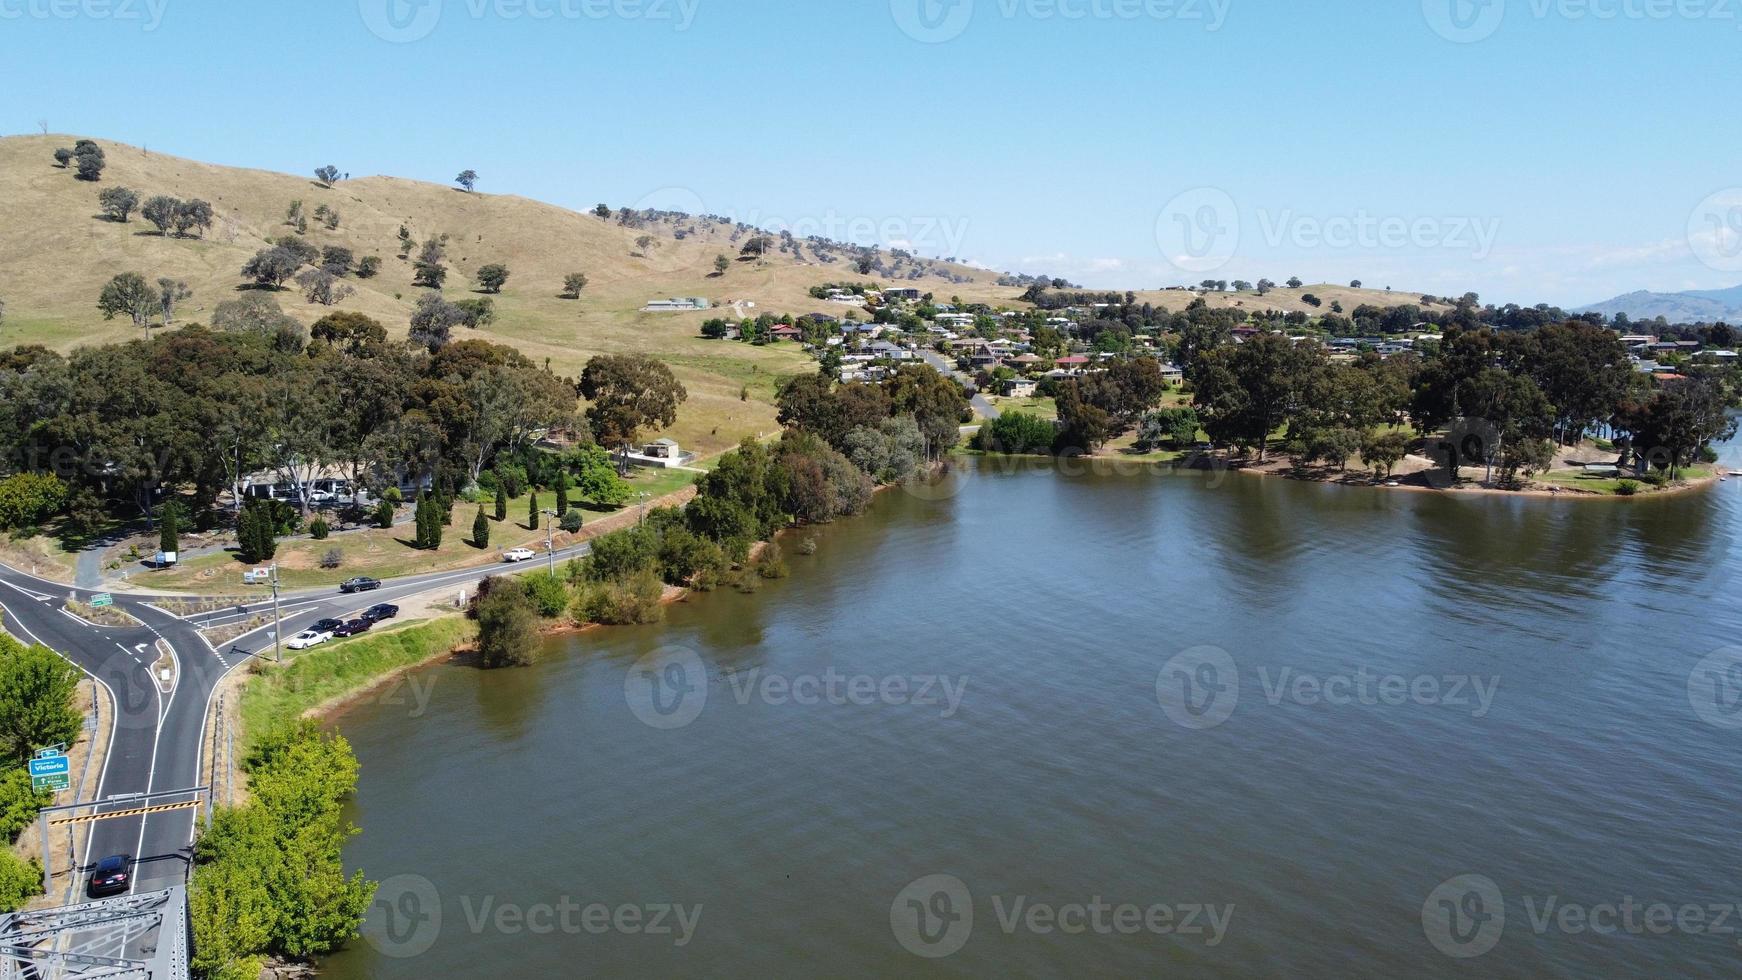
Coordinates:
(1531, 150)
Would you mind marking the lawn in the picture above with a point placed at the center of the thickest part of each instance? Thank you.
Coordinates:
(1579, 480)
(281, 693)
(387, 553)
(1041, 407)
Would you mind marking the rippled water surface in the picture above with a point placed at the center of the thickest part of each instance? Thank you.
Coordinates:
(1544, 738)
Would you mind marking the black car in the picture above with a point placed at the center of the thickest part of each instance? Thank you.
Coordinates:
(112, 876)
(376, 614)
(327, 626)
(360, 585)
(352, 628)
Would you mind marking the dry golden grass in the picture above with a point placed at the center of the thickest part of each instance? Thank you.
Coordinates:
(1285, 300)
(58, 252)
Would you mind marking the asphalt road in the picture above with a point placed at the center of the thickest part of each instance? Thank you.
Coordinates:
(157, 741)
(982, 407)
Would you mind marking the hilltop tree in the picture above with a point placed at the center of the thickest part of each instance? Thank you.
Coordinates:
(758, 245)
(573, 283)
(1294, 282)
(89, 158)
(493, 277)
(128, 293)
(63, 157)
(721, 264)
(602, 212)
(118, 203)
(270, 267)
(1355, 284)
(467, 179)
(1265, 286)
(170, 293)
(195, 215)
(629, 392)
(160, 211)
(327, 174)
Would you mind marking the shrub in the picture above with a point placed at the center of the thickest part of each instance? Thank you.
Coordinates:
(633, 600)
(772, 562)
(393, 496)
(1656, 478)
(1627, 488)
(571, 522)
(1016, 432)
(384, 514)
(548, 594)
(507, 627)
(318, 529)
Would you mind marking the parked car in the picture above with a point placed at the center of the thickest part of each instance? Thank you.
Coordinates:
(514, 555)
(326, 625)
(306, 639)
(385, 611)
(360, 585)
(352, 628)
(112, 876)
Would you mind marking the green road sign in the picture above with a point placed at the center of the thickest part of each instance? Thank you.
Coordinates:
(98, 601)
(51, 784)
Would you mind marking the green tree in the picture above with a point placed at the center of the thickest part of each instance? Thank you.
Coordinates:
(501, 502)
(721, 265)
(257, 532)
(573, 283)
(480, 530)
(493, 277)
(37, 688)
(562, 492)
(118, 203)
(629, 392)
(507, 628)
(128, 293)
(169, 528)
(1385, 450)
(1016, 433)
(88, 157)
(467, 179)
(270, 267)
(532, 512)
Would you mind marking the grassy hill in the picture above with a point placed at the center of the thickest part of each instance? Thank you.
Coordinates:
(58, 251)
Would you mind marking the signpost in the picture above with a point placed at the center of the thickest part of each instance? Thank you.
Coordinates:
(102, 599)
(50, 770)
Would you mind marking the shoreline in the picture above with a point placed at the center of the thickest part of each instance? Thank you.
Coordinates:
(1278, 467)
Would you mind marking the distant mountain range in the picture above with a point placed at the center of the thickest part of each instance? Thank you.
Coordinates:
(1707, 305)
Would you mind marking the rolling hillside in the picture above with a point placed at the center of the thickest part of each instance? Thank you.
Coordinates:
(1695, 306)
(58, 250)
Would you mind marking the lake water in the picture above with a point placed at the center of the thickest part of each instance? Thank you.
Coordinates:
(1229, 728)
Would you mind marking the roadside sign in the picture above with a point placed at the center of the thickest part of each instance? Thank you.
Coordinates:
(102, 599)
(52, 772)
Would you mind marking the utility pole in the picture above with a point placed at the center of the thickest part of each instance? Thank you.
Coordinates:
(277, 621)
(550, 539)
(645, 496)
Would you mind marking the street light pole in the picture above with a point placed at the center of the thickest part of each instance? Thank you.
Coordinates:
(550, 540)
(645, 496)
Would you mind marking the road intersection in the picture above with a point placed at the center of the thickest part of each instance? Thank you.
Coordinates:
(157, 741)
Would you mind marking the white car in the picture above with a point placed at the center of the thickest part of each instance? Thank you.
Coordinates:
(516, 555)
(306, 639)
